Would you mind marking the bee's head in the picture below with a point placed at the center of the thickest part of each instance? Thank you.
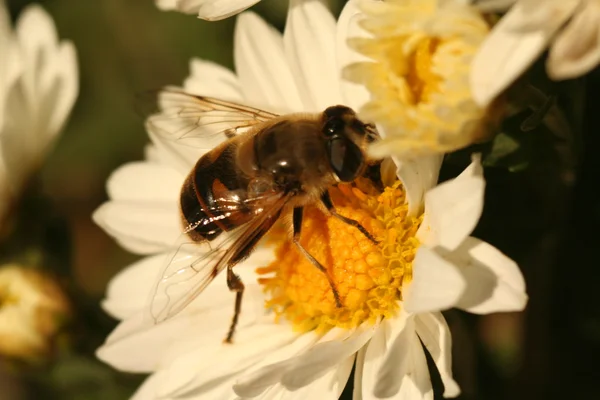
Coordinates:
(345, 137)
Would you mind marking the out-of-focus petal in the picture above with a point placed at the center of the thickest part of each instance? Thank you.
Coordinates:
(214, 10)
(310, 37)
(507, 53)
(354, 95)
(576, 50)
(213, 80)
(264, 75)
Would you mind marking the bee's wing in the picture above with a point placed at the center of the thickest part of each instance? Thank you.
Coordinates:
(201, 121)
(192, 266)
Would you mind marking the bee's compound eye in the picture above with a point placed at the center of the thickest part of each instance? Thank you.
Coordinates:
(333, 127)
(345, 158)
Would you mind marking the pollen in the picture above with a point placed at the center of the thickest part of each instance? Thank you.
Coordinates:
(418, 74)
(368, 277)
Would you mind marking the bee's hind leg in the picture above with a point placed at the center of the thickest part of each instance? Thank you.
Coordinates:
(235, 284)
(297, 224)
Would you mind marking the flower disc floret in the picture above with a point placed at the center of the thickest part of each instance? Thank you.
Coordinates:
(367, 276)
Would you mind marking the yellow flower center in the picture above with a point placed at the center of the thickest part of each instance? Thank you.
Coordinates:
(368, 277)
(418, 74)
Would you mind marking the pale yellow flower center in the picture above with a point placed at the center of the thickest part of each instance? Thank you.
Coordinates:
(418, 74)
(368, 277)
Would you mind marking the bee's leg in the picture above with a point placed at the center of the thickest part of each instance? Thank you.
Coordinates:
(235, 284)
(297, 223)
(326, 199)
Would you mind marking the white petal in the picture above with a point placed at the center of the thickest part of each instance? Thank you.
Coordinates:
(494, 281)
(395, 366)
(50, 77)
(128, 291)
(437, 284)
(142, 227)
(418, 175)
(140, 345)
(453, 208)
(576, 50)
(327, 387)
(435, 335)
(269, 372)
(506, 54)
(354, 95)
(148, 389)
(214, 10)
(322, 357)
(144, 181)
(172, 153)
(310, 38)
(213, 80)
(261, 65)
(192, 372)
(305, 365)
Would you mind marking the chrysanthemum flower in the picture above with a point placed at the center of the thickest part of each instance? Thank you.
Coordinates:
(38, 86)
(416, 61)
(32, 309)
(210, 10)
(292, 342)
(571, 28)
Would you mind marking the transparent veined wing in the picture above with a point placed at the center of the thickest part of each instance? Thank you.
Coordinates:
(192, 266)
(201, 121)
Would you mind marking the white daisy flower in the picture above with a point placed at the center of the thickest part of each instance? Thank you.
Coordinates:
(38, 86)
(415, 65)
(292, 342)
(210, 10)
(571, 28)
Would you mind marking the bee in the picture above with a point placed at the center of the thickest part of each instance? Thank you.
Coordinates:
(268, 167)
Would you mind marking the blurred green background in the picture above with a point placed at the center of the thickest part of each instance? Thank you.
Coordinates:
(546, 217)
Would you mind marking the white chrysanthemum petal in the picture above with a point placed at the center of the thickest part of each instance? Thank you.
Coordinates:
(264, 75)
(322, 357)
(127, 292)
(418, 175)
(505, 54)
(354, 95)
(437, 284)
(576, 50)
(309, 37)
(494, 281)
(395, 366)
(435, 335)
(190, 372)
(213, 10)
(172, 153)
(453, 208)
(142, 227)
(329, 386)
(223, 83)
(50, 90)
(127, 346)
(269, 371)
(142, 181)
(148, 389)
